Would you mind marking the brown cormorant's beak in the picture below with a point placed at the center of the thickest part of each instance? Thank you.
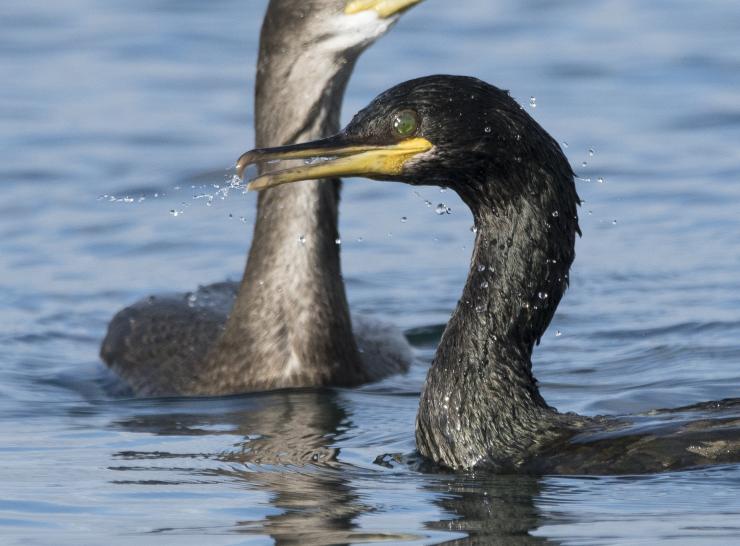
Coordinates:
(384, 8)
(333, 157)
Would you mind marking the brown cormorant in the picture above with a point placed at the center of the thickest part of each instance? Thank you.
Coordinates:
(480, 406)
(288, 321)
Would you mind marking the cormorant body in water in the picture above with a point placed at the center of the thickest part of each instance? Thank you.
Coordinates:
(480, 406)
(288, 321)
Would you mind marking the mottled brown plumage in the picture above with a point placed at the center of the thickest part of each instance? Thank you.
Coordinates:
(287, 324)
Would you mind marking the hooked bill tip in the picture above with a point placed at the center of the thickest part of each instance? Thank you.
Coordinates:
(243, 162)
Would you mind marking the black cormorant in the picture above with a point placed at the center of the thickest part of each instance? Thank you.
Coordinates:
(480, 406)
(288, 321)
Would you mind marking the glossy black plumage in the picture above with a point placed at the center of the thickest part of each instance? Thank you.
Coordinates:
(480, 406)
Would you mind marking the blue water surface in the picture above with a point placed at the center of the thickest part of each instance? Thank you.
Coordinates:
(148, 103)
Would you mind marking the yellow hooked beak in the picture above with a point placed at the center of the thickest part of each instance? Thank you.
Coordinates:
(384, 8)
(333, 157)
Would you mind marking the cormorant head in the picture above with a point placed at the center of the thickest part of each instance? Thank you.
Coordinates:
(452, 131)
(339, 25)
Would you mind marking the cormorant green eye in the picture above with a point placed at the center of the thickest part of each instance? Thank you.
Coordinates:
(405, 123)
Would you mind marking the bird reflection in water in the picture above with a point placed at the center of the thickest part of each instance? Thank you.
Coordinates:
(491, 509)
(294, 458)
(287, 449)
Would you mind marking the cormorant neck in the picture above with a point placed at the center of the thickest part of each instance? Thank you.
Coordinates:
(299, 91)
(290, 324)
(481, 401)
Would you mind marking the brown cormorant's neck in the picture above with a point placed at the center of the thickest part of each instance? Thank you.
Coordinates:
(290, 324)
(480, 401)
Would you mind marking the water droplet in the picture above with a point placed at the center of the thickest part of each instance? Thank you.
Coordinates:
(542, 295)
(565, 144)
(442, 209)
(231, 215)
(428, 203)
(584, 163)
(484, 285)
(442, 189)
(192, 298)
(479, 308)
(473, 229)
(175, 213)
(302, 239)
(555, 214)
(600, 180)
(614, 222)
(590, 212)
(337, 241)
(481, 268)
(487, 129)
(360, 239)
(533, 101)
(403, 219)
(558, 333)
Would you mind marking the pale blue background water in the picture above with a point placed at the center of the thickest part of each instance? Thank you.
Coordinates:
(137, 98)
